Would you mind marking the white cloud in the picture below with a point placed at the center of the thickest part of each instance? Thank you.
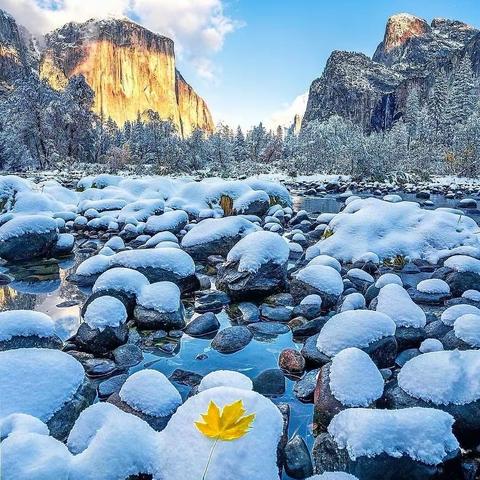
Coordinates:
(284, 116)
(198, 27)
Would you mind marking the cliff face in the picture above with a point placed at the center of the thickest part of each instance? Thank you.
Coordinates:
(373, 92)
(130, 69)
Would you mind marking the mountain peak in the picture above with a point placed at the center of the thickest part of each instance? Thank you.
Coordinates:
(401, 27)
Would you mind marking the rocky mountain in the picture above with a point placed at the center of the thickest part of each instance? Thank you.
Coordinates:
(130, 69)
(372, 92)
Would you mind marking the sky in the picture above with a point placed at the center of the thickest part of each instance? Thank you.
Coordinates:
(251, 60)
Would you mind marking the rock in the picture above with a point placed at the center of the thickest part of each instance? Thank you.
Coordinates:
(312, 355)
(297, 463)
(304, 388)
(64, 245)
(437, 329)
(451, 342)
(268, 328)
(127, 355)
(244, 313)
(204, 324)
(210, 301)
(232, 339)
(99, 367)
(276, 314)
(409, 337)
(291, 360)
(406, 355)
(100, 341)
(111, 385)
(460, 282)
(310, 328)
(270, 383)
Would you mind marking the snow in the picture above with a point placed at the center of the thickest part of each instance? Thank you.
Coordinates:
(467, 328)
(327, 261)
(160, 296)
(449, 316)
(312, 299)
(394, 301)
(252, 456)
(150, 392)
(368, 257)
(388, 229)
(473, 295)
(24, 224)
(355, 380)
(424, 434)
(111, 444)
(387, 278)
(105, 312)
(463, 263)
(216, 229)
(274, 190)
(225, 378)
(354, 328)
(115, 243)
(392, 198)
(258, 249)
(168, 221)
(360, 275)
(161, 237)
(53, 375)
(25, 323)
(33, 456)
(121, 279)
(433, 285)
(93, 265)
(443, 378)
(353, 301)
(325, 279)
(21, 423)
(431, 345)
(242, 203)
(333, 476)
(170, 259)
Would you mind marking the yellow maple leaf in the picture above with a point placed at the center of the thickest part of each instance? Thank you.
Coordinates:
(228, 424)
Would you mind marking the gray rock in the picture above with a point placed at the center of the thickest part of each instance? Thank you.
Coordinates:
(127, 355)
(409, 337)
(232, 339)
(437, 329)
(244, 313)
(100, 342)
(304, 389)
(276, 314)
(312, 355)
(152, 319)
(204, 324)
(111, 385)
(297, 462)
(270, 383)
(31, 341)
(210, 301)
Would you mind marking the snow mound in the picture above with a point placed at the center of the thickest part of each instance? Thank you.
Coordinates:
(443, 377)
(355, 328)
(258, 249)
(433, 285)
(327, 261)
(473, 295)
(167, 222)
(424, 434)
(388, 229)
(449, 315)
(225, 378)
(388, 278)
(93, 266)
(323, 278)
(25, 323)
(105, 312)
(24, 224)
(150, 392)
(467, 328)
(333, 476)
(431, 345)
(355, 380)
(252, 456)
(360, 274)
(463, 263)
(21, 423)
(160, 296)
(353, 301)
(121, 280)
(394, 301)
(53, 376)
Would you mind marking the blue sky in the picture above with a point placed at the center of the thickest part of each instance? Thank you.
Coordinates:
(250, 59)
(284, 45)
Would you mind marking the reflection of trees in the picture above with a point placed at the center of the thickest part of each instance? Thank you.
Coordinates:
(10, 299)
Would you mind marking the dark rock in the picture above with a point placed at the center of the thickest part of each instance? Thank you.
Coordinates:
(210, 301)
(152, 319)
(298, 463)
(268, 328)
(437, 329)
(270, 383)
(291, 361)
(300, 290)
(409, 337)
(406, 355)
(184, 377)
(276, 314)
(244, 313)
(313, 357)
(451, 342)
(100, 342)
(204, 324)
(111, 385)
(309, 328)
(31, 341)
(304, 388)
(99, 367)
(232, 339)
(127, 355)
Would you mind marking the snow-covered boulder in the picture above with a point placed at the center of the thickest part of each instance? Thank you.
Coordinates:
(159, 307)
(27, 236)
(432, 291)
(216, 236)
(373, 225)
(321, 280)
(387, 444)
(256, 266)
(48, 384)
(63, 246)
(252, 456)
(327, 261)
(461, 272)
(141, 210)
(467, 329)
(225, 378)
(90, 269)
(26, 329)
(373, 332)
(173, 222)
(447, 380)
(351, 379)
(353, 301)
(254, 202)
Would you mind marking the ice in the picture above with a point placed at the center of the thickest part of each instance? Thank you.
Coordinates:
(37, 381)
(355, 380)
(25, 323)
(160, 296)
(150, 392)
(258, 249)
(323, 278)
(463, 263)
(424, 434)
(225, 378)
(443, 377)
(355, 328)
(105, 312)
(433, 285)
(387, 278)
(449, 316)
(388, 229)
(467, 328)
(394, 301)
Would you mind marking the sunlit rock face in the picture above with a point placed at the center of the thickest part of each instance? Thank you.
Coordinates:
(130, 69)
(402, 27)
